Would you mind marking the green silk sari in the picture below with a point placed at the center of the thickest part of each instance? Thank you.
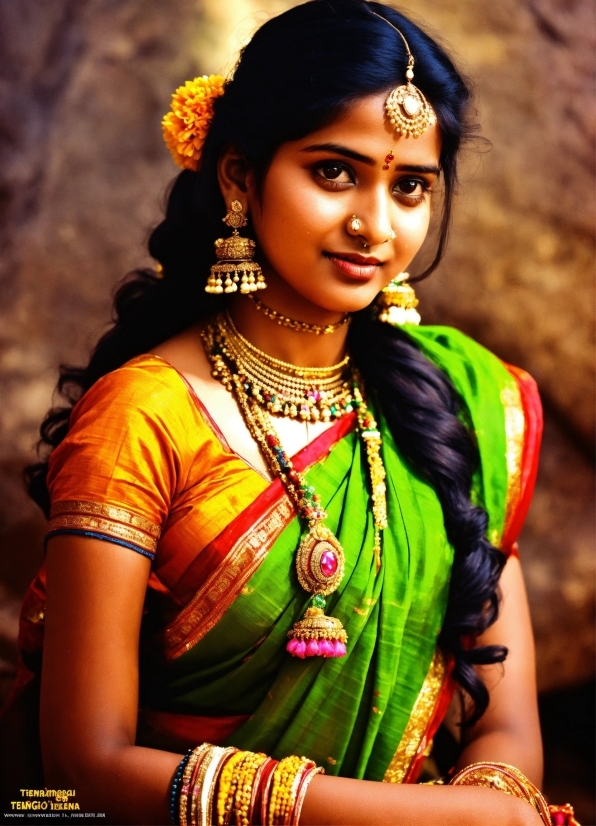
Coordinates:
(369, 714)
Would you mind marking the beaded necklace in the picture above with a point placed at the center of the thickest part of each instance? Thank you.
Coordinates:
(305, 393)
(320, 559)
(294, 324)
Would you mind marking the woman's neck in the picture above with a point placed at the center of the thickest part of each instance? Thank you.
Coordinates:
(299, 348)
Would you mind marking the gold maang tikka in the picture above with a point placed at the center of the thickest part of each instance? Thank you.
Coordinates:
(407, 108)
(235, 265)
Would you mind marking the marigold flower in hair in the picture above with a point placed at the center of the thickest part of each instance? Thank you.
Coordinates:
(185, 127)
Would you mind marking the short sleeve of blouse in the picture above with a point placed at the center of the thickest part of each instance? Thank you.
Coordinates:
(126, 453)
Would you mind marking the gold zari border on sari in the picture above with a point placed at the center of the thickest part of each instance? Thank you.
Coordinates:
(515, 427)
(222, 587)
(114, 522)
(418, 723)
(107, 512)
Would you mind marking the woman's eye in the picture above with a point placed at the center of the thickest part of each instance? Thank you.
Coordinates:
(409, 186)
(333, 172)
(412, 190)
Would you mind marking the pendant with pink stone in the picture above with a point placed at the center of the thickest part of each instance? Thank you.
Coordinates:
(320, 566)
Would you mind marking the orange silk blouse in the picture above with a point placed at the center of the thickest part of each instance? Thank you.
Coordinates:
(144, 466)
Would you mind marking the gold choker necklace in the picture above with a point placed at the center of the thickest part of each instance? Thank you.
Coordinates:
(305, 393)
(298, 326)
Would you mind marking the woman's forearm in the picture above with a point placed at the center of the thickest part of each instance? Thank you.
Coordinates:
(339, 801)
(130, 784)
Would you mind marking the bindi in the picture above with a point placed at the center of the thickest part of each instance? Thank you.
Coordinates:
(388, 158)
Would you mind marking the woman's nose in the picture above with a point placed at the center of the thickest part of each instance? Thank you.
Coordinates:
(372, 224)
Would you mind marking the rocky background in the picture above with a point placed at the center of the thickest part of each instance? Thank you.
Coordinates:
(83, 173)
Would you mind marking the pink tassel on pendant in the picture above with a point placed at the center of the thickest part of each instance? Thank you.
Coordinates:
(317, 635)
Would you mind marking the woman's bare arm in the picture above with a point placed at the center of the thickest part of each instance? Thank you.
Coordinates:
(90, 700)
(89, 690)
(509, 730)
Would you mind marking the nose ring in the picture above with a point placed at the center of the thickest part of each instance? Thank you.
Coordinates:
(391, 236)
(354, 224)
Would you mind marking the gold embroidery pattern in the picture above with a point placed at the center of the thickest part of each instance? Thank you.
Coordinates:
(104, 526)
(107, 512)
(222, 587)
(414, 737)
(515, 428)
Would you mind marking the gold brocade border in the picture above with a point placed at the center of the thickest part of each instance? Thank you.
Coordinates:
(73, 506)
(103, 526)
(222, 587)
(420, 718)
(515, 428)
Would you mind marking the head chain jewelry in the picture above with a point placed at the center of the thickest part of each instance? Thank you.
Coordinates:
(407, 108)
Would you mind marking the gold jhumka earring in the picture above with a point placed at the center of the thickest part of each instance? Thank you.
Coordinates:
(235, 254)
(397, 303)
(407, 108)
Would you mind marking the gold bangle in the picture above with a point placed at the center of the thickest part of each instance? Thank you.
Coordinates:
(504, 778)
(283, 786)
(225, 782)
(217, 758)
(235, 781)
(197, 785)
(244, 791)
(186, 782)
(288, 814)
(306, 779)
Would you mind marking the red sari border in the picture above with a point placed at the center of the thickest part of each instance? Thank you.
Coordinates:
(532, 410)
(222, 569)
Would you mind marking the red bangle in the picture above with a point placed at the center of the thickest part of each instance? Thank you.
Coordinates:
(265, 787)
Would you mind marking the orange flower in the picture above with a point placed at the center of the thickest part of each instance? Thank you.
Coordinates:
(185, 127)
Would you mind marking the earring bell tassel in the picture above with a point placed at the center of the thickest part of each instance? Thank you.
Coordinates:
(397, 303)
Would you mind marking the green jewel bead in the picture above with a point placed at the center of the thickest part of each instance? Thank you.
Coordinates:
(318, 601)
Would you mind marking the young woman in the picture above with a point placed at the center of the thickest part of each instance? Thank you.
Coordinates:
(200, 585)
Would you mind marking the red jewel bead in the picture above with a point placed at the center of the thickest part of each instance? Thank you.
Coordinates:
(271, 439)
(329, 563)
(386, 166)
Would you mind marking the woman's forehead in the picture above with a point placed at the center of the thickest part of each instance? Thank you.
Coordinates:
(365, 128)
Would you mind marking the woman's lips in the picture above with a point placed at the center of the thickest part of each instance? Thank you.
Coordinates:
(358, 267)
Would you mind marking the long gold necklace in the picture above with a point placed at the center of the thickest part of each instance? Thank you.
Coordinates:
(320, 559)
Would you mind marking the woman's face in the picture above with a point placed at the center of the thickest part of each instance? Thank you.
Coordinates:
(312, 189)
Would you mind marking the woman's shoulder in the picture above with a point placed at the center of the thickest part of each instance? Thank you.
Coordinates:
(140, 410)
(146, 384)
(502, 406)
(473, 369)
(457, 354)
